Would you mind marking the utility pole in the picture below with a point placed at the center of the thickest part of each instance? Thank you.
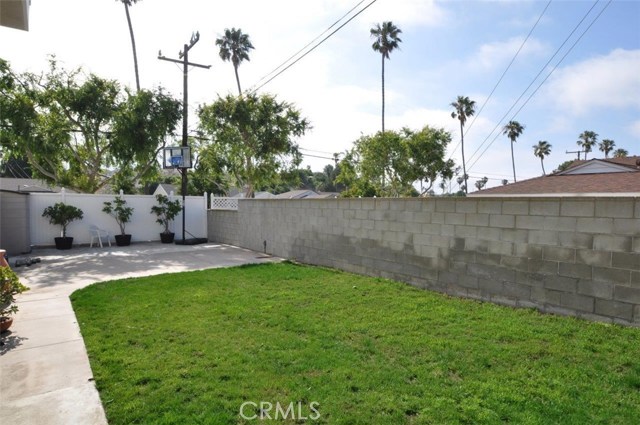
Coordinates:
(184, 55)
(578, 152)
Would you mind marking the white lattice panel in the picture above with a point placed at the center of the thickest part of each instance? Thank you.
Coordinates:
(224, 204)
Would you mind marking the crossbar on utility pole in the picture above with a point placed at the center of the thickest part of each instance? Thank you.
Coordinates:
(184, 56)
(578, 152)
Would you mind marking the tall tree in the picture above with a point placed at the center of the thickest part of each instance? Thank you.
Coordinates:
(606, 146)
(83, 132)
(386, 41)
(128, 3)
(389, 163)
(252, 138)
(513, 130)
(480, 184)
(586, 141)
(234, 46)
(464, 108)
(620, 153)
(541, 150)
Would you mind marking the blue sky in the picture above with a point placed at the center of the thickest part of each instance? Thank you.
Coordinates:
(449, 48)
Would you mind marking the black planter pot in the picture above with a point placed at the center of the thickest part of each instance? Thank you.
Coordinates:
(63, 243)
(167, 237)
(123, 240)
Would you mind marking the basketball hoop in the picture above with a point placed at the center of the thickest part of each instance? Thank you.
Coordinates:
(177, 157)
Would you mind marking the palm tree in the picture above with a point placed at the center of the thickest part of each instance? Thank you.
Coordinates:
(607, 146)
(586, 141)
(620, 153)
(464, 108)
(387, 40)
(542, 149)
(234, 46)
(513, 130)
(128, 3)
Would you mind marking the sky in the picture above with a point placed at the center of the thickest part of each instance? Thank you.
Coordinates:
(585, 55)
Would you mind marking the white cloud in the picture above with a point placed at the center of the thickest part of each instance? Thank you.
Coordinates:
(408, 12)
(499, 53)
(611, 81)
(634, 129)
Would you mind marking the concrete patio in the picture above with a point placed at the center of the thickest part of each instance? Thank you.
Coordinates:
(45, 376)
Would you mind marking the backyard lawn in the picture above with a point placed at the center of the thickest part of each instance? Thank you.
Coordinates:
(191, 348)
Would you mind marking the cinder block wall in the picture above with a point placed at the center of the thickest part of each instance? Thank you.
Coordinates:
(571, 256)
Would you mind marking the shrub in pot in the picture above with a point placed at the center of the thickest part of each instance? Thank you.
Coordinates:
(62, 214)
(9, 287)
(119, 210)
(166, 211)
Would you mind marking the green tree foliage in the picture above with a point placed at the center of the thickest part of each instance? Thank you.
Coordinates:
(513, 130)
(389, 163)
(463, 109)
(564, 166)
(252, 139)
(586, 141)
(541, 150)
(386, 41)
(83, 132)
(620, 153)
(326, 180)
(606, 146)
(480, 184)
(234, 46)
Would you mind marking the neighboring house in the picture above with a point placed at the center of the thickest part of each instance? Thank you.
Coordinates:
(15, 14)
(164, 189)
(27, 185)
(256, 195)
(327, 195)
(595, 177)
(297, 194)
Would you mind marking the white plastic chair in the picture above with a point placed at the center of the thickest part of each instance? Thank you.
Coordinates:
(98, 233)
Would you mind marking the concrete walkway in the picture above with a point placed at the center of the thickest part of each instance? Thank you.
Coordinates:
(45, 377)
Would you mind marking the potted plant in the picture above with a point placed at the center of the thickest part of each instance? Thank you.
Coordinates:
(9, 287)
(62, 214)
(166, 211)
(118, 209)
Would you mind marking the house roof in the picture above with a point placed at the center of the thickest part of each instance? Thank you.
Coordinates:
(296, 194)
(629, 161)
(617, 181)
(27, 185)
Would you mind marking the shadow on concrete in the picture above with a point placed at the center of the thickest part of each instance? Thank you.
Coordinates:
(9, 341)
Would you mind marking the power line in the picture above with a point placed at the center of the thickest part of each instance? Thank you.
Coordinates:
(312, 150)
(316, 156)
(313, 48)
(307, 45)
(501, 77)
(535, 78)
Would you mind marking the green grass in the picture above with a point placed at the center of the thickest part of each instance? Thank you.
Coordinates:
(190, 348)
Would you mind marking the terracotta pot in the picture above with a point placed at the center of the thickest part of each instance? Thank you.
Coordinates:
(5, 323)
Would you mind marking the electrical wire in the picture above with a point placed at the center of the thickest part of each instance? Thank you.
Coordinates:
(316, 156)
(545, 79)
(307, 45)
(313, 48)
(315, 151)
(466, 131)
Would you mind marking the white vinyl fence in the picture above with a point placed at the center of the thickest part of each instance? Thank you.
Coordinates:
(142, 227)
